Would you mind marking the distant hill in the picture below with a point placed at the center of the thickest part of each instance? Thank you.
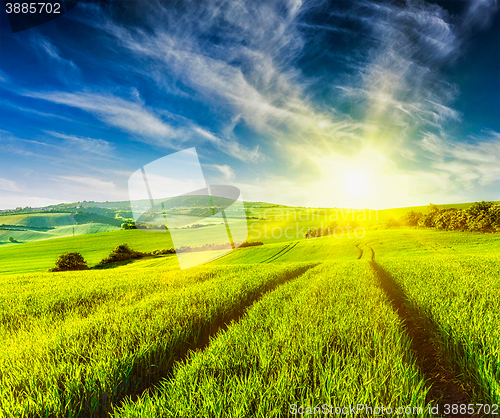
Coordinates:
(85, 217)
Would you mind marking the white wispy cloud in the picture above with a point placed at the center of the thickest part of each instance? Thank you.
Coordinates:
(480, 13)
(227, 172)
(401, 81)
(45, 48)
(9, 185)
(256, 83)
(143, 123)
(469, 163)
(128, 116)
(3, 77)
(95, 146)
(91, 183)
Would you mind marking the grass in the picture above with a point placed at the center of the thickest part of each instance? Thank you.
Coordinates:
(312, 324)
(329, 337)
(39, 219)
(30, 235)
(459, 297)
(39, 256)
(88, 346)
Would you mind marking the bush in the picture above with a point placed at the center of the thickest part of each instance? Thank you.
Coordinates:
(411, 218)
(69, 262)
(459, 220)
(494, 217)
(164, 251)
(250, 244)
(391, 223)
(481, 216)
(427, 220)
(129, 225)
(122, 252)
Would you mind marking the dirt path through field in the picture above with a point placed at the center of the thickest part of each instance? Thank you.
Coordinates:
(447, 386)
(200, 340)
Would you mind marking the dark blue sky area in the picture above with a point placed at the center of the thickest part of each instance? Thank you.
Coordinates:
(287, 100)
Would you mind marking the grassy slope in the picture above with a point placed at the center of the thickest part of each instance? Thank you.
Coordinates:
(268, 223)
(317, 339)
(92, 337)
(453, 280)
(31, 235)
(398, 246)
(39, 219)
(41, 255)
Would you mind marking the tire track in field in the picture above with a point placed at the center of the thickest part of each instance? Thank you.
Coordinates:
(360, 251)
(281, 253)
(274, 255)
(447, 386)
(198, 341)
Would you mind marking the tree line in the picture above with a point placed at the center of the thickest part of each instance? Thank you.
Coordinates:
(480, 216)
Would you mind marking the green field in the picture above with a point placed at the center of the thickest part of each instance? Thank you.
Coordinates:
(39, 220)
(396, 318)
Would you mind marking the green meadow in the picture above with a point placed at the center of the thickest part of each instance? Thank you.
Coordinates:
(400, 318)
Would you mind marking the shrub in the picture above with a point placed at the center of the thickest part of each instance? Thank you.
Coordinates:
(250, 244)
(164, 251)
(129, 225)
(481, 216)
(122, 252)
(427, 220)
(69, 262)
(459, 220)
(494, 217)
(411, 218)
(443, 219)
(391, 223)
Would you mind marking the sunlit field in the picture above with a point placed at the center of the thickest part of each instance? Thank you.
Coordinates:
(308, 321)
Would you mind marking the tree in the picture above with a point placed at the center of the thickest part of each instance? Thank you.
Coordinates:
(122, 252)
(479, 208)
(69, 262)
(494, 217)
(12, 239)
(391, 223)
(459, 220)
(411, 218)
(129, 225)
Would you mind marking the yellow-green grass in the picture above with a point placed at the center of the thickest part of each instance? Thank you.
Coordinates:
(83, 339)
(453, 280)
(319, 249)
(39, 256)
(39, 220)
(315, 250)
(77, 342)
(414, 242)
(298, 220)
(29, 235)
(459, 296)
(329, 337)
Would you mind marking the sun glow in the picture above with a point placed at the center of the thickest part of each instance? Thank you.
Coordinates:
(366, 180)
(357, 184)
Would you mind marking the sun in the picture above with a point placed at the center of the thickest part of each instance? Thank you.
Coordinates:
(357, 184)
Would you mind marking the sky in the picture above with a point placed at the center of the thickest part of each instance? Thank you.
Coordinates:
(363, 104)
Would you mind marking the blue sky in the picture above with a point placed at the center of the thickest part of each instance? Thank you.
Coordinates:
(314, 103)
